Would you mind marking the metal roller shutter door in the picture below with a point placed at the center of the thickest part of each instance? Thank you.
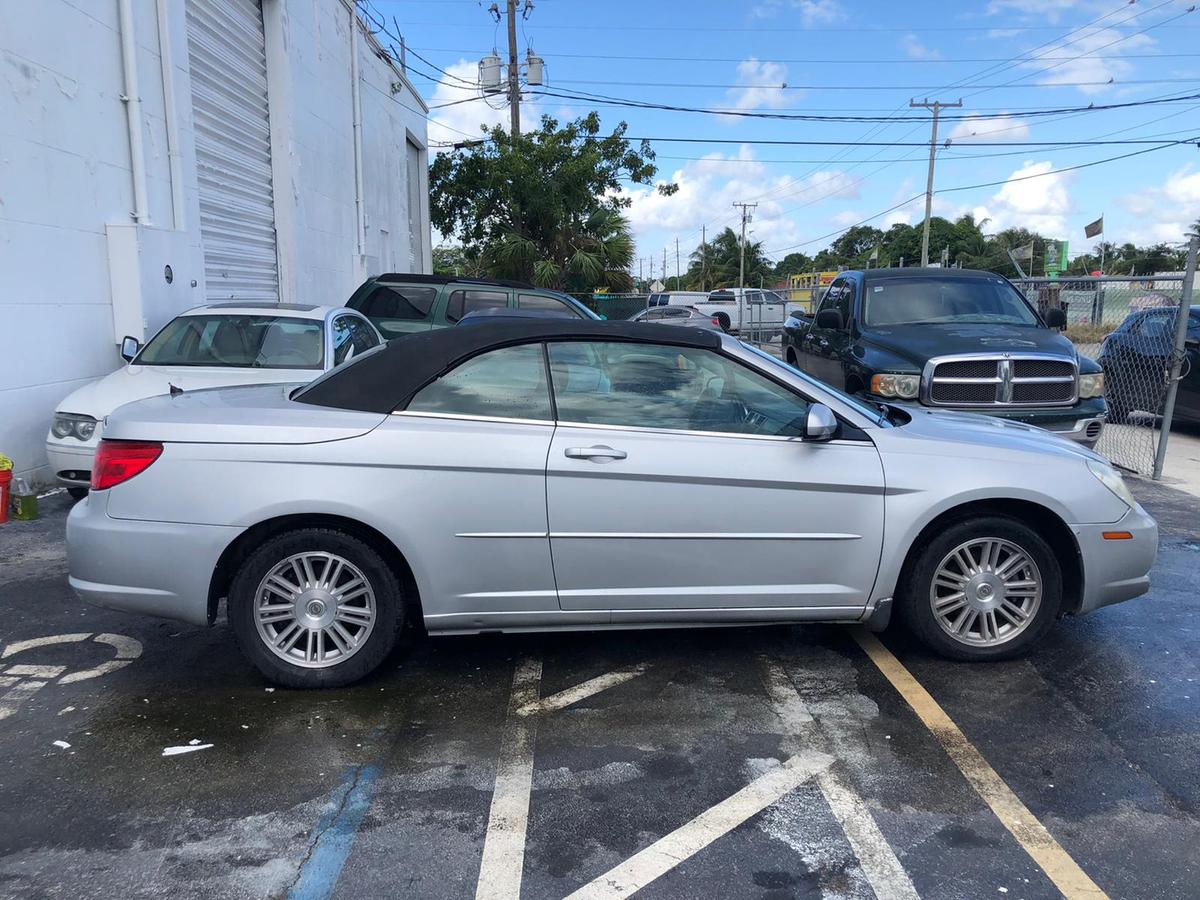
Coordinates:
(227, 55)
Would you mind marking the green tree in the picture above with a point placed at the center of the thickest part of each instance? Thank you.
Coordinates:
(792, 264)
(724, 264)
(545, 206)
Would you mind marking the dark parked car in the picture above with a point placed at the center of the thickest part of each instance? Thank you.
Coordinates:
(399, 303)
(677, 315)
(1136, 360)
(950, 339)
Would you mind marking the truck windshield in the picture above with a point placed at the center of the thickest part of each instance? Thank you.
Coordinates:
(925, 300)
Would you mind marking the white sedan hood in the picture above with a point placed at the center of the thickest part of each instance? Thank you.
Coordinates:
(101, 397)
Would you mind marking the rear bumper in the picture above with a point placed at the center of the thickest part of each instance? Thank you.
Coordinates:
(154, 568)
(1116, 570)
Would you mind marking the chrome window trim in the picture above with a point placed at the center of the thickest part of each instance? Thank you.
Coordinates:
(1004, 380)
(464, 417)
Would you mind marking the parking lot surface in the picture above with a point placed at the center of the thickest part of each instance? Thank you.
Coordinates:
(141, 758)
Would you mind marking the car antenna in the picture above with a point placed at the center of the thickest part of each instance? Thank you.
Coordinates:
(174, 390)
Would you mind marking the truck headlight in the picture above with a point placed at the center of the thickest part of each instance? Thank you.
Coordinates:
(72, 425)
(1091, 385)
(1114, 482)
(906, 387)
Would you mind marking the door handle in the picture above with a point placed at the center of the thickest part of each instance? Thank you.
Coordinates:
(598, 452)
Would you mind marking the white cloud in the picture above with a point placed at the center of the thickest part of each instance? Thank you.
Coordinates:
(989, 128)
(916, 50)
(461, 121)
(1038, 203)
(761, 86)
(811, 12)
(1164, 212)
(1079, 59)
(1049, 10)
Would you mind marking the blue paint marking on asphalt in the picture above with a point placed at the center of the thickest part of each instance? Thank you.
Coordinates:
(336, 830)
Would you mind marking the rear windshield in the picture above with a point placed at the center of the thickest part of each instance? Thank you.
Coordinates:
(249, 342)
(924, 300)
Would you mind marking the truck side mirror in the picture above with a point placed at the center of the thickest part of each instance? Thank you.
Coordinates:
(129, 348)
(830, 319)
(1056, 318)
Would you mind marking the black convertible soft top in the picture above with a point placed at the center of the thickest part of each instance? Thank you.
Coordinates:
(385, 379)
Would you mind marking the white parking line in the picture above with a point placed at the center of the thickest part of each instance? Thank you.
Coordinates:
(572, 695)
(504, 847)
(875, 855)
(669, 851)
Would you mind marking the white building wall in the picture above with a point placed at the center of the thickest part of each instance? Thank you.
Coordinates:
(66, 187)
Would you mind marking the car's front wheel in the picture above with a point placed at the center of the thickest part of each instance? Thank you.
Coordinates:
(315, 607)
(986, 588)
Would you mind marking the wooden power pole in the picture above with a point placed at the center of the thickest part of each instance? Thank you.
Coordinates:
(936, 106)
(514, 71)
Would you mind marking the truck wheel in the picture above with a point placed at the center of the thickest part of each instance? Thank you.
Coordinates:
(791, 358)
(723, 321)
(315, 608)
(982, 589)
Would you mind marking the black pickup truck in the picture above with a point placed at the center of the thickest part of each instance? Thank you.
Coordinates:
(949, 339)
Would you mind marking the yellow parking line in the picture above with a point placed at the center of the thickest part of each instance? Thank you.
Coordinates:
(1031, 834)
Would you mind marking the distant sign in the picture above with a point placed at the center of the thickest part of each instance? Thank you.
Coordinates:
(657, 286)
(1056, 258)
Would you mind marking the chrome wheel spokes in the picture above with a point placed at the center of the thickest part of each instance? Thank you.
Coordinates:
(314, 609)
(985, 591)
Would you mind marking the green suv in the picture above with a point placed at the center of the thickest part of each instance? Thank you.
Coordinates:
(399, 304)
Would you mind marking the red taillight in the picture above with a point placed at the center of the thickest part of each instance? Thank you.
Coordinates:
(716, 321)
(118, 461)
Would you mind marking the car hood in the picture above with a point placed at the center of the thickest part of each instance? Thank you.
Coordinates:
(919, 343)
(963, 433)
(101, 397)
(259, 414)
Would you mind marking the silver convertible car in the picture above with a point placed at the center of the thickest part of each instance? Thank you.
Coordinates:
(542, 474)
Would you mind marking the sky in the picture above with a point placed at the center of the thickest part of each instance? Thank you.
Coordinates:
(1012, 62)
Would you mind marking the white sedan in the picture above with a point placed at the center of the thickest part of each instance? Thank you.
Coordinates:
(210, 346)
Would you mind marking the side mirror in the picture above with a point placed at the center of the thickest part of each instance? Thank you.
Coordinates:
(821, 424)
(1056, 318)
(830, 319)
(129, 348)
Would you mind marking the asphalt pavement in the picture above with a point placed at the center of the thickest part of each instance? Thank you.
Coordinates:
(141, 758)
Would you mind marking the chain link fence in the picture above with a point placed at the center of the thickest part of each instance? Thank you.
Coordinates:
(1128, 326)
(613, 306)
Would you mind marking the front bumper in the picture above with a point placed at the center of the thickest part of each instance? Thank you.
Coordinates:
(1116, 570)
(154, 568)
(1083, 422)
(71, 460)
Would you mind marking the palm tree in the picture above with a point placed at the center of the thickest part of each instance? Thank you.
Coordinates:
(583, 255)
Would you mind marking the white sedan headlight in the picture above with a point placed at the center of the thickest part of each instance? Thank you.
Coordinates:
(906, 387)
(71, 425)
(1091, 385)
(1114, 482)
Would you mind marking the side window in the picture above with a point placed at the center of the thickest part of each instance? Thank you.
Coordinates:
(683, 388)
(507, 383)
(552, 305)
(839, 297)
(407, 304)
(463, 302)
(1156, 326)
(343, 342)
(361, 335)
(1193, 331)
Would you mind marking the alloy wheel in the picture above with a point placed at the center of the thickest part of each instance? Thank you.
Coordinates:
(314, 609)
(985, 592)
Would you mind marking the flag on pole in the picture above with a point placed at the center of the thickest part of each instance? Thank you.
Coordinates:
(874, 257)
(1094, 228)
(1027, 250)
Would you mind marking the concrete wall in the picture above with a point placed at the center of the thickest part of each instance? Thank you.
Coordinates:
(66, 186)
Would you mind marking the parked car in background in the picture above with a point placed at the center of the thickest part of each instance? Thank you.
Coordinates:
(209, 346)
(1136, 358)
(950, 339)
(399, 304)
(744, 310)
(686, 316)
(554, 474)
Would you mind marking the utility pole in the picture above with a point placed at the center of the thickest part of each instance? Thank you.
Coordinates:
(937, 106)
(664, 268)
(703, 257)
(676, 263)
(746, 217)
(514, 72)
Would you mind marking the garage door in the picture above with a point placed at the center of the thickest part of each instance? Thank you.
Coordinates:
(233, 149)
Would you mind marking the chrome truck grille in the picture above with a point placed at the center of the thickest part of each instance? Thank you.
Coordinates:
(1008, 380)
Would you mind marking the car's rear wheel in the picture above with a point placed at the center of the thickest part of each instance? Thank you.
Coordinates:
(723, 321)
(982, 589)
(315, 607)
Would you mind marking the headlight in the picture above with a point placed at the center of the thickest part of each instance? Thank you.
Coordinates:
(1091, 385)
(906, 387)
(71, 425)
(1110, 479)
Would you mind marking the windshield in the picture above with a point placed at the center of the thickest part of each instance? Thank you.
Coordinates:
(237, 341)
(925, 300)
(876, 412)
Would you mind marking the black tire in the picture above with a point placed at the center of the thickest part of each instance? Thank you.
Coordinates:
(723, 321)
(916, 608)
(791, 358)
(77, 493)
(389, 608)
(1118, 413)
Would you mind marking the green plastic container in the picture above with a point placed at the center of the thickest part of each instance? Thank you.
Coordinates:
(24, 501)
